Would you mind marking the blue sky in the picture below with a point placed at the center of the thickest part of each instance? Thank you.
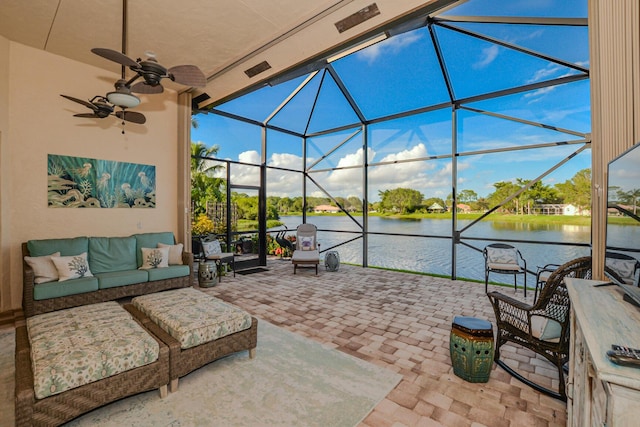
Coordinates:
(402, 73)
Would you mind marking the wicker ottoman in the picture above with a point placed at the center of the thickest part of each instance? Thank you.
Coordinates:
(471, 348)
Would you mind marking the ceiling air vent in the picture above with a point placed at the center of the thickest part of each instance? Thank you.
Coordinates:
(257, 69)
(357, 18)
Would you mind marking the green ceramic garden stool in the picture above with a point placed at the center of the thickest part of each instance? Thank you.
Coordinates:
(471, 348)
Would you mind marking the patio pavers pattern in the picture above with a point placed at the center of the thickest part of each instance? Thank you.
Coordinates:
(402, 322)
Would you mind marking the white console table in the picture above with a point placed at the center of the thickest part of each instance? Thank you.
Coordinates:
(601, 393)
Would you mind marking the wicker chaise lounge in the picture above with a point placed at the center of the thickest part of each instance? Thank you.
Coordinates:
(191, 349)
(60, 408)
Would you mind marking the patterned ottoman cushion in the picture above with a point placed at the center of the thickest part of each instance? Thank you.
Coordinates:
(192, 317)
(80, 345)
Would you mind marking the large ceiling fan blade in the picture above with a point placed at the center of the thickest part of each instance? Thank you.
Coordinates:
(188, 75)
(144, 88)
(87, 115)
(80, 101)
(115, 56)
(131, 116)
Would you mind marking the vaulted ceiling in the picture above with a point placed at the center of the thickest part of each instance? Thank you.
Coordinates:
(224, 38)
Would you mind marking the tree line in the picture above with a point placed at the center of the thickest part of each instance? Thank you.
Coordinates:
(205, 188)
(575, 191)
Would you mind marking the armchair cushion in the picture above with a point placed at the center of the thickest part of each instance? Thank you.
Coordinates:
(499, 266)
(210, 248)
(624, 268)
(305, 256)
(545, 329)
(502, 256)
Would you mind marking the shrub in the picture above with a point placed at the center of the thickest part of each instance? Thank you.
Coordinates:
(202, 225)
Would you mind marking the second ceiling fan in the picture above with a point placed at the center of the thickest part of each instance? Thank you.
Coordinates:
(149, 69)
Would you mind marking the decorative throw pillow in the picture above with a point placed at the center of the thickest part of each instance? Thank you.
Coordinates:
(44, 270)
(175, 253)
(154, 258)
(211, 248)
(306, 243)
(72, 267)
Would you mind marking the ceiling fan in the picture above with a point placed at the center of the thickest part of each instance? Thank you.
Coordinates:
(149, 70)
(101, 108)
(152, 72)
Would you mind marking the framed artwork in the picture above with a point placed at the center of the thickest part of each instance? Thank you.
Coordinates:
(79, 182)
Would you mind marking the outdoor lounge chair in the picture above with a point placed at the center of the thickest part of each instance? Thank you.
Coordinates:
(307, 247)
(542, 327)
(213, 252)
(504, 259)
(626, 267)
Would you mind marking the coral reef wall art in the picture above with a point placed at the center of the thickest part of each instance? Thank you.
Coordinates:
(79, 182)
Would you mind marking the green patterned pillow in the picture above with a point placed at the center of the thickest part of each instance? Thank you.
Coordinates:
(154, 258)
(72, 267)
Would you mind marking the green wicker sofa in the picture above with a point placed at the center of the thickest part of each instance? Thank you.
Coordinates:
(36, 404)
(113, 264)
(49, 302)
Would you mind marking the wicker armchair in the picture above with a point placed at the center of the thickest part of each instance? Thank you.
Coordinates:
(542, 327)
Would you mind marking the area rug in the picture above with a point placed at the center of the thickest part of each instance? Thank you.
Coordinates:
(252, 270)
(7, 375)
(292, 381)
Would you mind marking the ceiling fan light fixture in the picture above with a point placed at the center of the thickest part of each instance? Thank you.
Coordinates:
(123, 99)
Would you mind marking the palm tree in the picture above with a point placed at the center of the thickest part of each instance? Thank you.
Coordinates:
(199, 154)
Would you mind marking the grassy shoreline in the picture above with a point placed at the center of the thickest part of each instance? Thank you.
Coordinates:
(530, 219)
(537, 219)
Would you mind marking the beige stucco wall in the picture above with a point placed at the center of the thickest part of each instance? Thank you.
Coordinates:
(41, 122)
(4, 160)
(614, 43)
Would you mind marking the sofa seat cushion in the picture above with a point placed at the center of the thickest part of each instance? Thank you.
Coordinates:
(121, 278)
(107, 254)
(80, 345)
(62, 289)
(192, 317)
(170, 272)
(66, 247)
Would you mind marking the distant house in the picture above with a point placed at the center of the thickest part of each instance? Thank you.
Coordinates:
(461, 207)
(326, 209)
(559, 209)
(435, 207)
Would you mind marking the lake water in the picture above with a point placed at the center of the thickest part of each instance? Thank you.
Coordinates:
(433, 254)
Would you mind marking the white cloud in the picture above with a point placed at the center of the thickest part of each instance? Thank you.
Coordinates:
(251, 156)
(489, 54)
(286, 160)
(390, 46)
(432, 178)
(545, 73)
